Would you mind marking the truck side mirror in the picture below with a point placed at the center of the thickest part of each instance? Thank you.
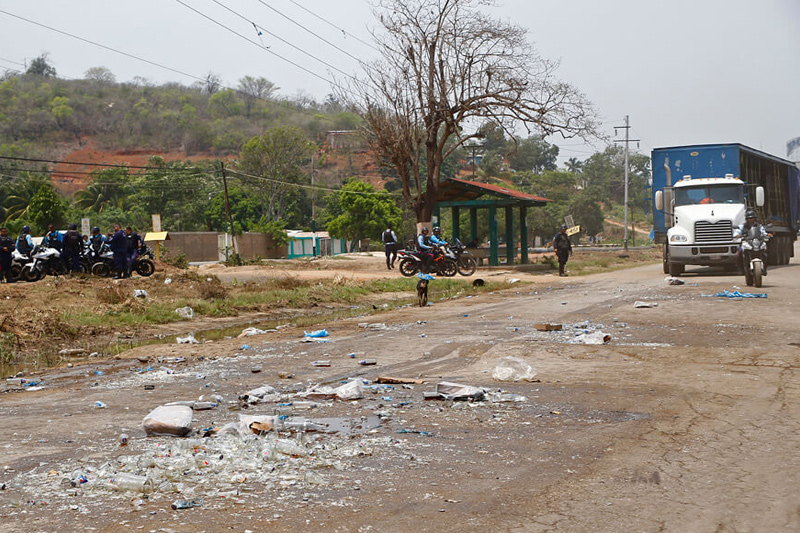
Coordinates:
(659, 200)
(759, 196)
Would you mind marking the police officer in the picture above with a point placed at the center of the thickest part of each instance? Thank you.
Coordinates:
(389, 238)
(25, 242)
(6, 247)
(563, 248)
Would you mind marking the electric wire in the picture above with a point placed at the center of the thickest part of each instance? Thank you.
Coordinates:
(309, 31)
(254, 43)
(259, 27)
(326, 21)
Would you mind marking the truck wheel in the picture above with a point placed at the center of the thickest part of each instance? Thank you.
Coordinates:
(666, 260)
(675, 269)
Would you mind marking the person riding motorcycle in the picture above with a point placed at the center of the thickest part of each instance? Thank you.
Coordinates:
(748, 231)
(425, 248)
(96, 240)
(437, 239)
(25, 242)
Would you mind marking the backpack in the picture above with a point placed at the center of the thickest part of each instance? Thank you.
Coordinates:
(387, 237)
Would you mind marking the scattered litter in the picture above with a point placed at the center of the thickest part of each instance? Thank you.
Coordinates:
(266, 393)
(368, 362)
(457, 391)
(594, 337)
(398, 381)
(644, 305)
(737, 294)
(422, 275)
(513, 280)
(123, 439)
(100, 405)
(140, 293)
(512, 368)
(674, 281)
(186, 504)
(325, 362)
(316, 334)
(185, 312)
(256, 369)
(170, 420)
(167, 281)
(245, 347)
(373, 325)
(189, 339)
(548, 327)
(247, 332)
(72, 352)
(417, 431)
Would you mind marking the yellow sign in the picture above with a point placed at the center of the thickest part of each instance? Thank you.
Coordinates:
(573, 230)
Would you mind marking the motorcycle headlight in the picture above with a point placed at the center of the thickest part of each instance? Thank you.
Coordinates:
(678, 238)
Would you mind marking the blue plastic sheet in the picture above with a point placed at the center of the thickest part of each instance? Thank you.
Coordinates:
(316, 334)
(737, 294)
(422, 275)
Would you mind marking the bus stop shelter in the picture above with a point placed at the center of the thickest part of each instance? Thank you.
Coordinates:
(458, 194)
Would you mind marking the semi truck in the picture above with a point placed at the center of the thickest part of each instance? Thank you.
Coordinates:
(701, 192)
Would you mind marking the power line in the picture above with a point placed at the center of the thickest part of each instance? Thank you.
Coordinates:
(86, 164)
(258, 27)
(309, 31)
(326, 21)
(262, 47)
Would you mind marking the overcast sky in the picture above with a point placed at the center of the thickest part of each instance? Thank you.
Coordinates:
(686, 71)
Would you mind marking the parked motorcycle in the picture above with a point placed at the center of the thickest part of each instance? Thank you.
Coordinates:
(465, 262)
(18, 261)
(411, 263)
(144, 265)
(103, 262)
(44, 261)
(754, 256)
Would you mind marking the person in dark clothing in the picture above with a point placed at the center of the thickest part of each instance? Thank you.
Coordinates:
(73, 243)
(119, 245)
(96, 240)
(563, 248)
(133, 243)
(6, 247)
(389, 238)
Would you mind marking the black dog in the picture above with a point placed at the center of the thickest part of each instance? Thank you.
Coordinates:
(422, 292)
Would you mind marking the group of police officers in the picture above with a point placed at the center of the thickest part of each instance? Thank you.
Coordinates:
(124, 244)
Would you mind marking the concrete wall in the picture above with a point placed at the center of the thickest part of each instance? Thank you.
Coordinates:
(210, 246)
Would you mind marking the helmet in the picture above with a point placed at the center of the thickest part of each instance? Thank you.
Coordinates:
(424, 230)
(750, 213)
(436, 230)
(95, 230)
(26, 229)
(73, 226)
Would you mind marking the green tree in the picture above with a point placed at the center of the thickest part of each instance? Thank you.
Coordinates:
(533, 154)
(100, 75)
(364, 213)
(41, 66)
(47, 207)
(254, 89)
(277, 159)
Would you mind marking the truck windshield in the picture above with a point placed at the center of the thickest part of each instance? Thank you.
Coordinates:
(709, 194)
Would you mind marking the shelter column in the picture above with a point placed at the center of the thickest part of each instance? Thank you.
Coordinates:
(493, 261)
(456, 233)
(523, 235)
(510, 248)
(473, 224)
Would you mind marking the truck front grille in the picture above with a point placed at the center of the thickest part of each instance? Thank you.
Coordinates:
(722, 231)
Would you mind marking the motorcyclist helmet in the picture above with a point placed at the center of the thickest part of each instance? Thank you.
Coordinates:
(26, 229)
(436, 230)
(95, 230)
(424, 231)
(73, 226)
(750, 213)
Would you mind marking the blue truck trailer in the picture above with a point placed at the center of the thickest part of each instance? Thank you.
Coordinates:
(700, 194)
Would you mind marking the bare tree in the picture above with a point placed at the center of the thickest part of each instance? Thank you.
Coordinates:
(447, 68)
(253, 89)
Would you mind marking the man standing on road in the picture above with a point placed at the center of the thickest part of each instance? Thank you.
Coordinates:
(6, 247)
(73, 243)
(119, 245)
(389, 238)
(563, 248)
(133, 244)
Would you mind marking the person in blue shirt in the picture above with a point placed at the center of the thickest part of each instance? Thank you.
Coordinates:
(53, 238)
(425, 248)
(25, 242)
(437, 239)
(96, 240)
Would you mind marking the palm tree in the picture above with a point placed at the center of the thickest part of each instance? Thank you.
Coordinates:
(16, 195)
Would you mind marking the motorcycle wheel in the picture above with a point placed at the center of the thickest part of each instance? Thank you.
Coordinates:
(144, 267)
(748, 277)
(408, 267)
(757, 276)
(16, 272)
(449, 268)
(467, 265)
(30, 274)
(101, 269)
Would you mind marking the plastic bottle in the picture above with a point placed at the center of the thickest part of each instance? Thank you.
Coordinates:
(301, 424)
(368, 362)
(132, 482)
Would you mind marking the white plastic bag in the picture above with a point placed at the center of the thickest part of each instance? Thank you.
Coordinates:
(185, 312)
(512, 368)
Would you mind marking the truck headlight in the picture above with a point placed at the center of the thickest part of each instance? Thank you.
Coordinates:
(678, 238)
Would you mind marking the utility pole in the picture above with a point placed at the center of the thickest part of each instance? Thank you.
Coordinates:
(627, 140)
(228, 211)
(313, 211)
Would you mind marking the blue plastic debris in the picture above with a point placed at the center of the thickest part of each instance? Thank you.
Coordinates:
(422, 275)
(316, 334)
(737, 294)
(245, 347)
(417, 431)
